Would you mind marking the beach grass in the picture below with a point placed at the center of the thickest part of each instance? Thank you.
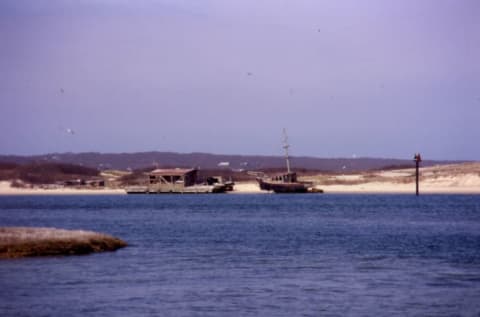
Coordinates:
(17, 242)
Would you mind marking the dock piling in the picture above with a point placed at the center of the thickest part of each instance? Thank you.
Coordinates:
(417, 158)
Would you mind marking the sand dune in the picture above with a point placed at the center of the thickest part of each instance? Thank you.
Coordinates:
(455, 178)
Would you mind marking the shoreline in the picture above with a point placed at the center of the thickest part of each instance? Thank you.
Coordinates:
(249, 189)
(7, 190)
(383, 182)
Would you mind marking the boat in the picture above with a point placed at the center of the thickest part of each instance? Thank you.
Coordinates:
(286, 182)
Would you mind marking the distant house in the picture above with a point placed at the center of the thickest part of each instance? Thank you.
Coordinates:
(223, 164)
(74, 182)
(97, 182)
(70, 183)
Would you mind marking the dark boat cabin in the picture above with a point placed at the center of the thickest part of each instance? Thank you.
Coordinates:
(285, 178)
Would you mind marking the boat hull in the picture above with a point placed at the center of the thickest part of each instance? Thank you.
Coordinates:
(283, 187)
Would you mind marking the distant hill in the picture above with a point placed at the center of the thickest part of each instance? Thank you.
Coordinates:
(133, 161)
(45, 172)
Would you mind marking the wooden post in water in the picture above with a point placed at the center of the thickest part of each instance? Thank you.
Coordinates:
(417, 158)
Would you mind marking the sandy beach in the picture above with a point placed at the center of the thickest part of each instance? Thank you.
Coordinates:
(6, 189)
(442, 179)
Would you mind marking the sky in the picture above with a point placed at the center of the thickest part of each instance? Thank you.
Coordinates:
(373, 78)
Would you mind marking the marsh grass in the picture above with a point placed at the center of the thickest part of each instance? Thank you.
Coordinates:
(16, 242)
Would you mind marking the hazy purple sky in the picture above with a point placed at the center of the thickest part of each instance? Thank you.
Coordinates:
(366, 78)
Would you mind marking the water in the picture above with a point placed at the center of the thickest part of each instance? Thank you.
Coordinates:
(249, 255)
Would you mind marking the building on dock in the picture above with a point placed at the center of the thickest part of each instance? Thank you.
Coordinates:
(171, 180)
(177, 180)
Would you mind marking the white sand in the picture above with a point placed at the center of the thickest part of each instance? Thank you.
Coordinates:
(397, 173)
(457, 178)
(6, 189)
(247, 188)
(351, 177)
(376, 187)
(385, 187)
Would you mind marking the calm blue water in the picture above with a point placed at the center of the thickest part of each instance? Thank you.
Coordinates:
(249, 255)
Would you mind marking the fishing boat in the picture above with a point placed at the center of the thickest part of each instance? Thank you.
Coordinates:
(285, 182)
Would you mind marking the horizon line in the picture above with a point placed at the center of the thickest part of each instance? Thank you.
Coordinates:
(222, 154)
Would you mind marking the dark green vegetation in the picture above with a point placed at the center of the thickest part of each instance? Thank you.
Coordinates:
(45, 173)
(134, 161)
(17, 242)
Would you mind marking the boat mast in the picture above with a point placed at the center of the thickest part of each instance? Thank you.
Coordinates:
(286, 146)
